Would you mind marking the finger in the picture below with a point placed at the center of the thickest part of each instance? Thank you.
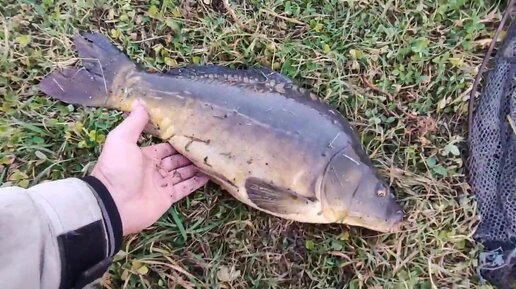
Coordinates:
(179, 175)
(131, 128)
(150, 128)
(173, 162)
(187, 187)
(159, 151)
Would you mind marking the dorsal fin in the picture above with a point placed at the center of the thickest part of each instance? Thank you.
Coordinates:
(270, 74)
(215, 71)
(259, 78)
(254, 75)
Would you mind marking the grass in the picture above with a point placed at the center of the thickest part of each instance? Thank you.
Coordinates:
(422, 54)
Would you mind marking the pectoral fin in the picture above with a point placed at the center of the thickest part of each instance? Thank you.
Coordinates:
(276, 199)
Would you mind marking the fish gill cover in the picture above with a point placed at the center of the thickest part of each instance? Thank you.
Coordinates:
(492, 162)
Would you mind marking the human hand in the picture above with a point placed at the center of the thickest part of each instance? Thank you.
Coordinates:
(143, 182)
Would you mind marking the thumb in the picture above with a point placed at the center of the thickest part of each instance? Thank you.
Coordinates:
(132, 127)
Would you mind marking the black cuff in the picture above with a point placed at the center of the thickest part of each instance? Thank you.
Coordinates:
(81, 251)
(85, 253)
(113, 216)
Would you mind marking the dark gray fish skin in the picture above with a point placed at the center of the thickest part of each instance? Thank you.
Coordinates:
(270, 143)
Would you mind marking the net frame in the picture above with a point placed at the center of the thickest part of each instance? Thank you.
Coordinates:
(492, 159)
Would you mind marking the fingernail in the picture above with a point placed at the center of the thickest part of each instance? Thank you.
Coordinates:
(138, 104)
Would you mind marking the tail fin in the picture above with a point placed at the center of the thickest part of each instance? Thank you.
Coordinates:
(91, 84)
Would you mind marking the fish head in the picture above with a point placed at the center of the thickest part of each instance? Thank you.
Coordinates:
(353, 193)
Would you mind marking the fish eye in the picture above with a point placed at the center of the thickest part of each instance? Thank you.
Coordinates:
(381, 190)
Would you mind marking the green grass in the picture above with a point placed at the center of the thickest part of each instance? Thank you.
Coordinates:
(423, 53)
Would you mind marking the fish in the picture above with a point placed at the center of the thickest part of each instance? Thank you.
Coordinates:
(267, 141)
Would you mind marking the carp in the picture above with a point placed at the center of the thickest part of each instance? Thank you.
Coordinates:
(270, 143)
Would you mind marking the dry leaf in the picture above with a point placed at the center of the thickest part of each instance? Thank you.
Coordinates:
(226, 274)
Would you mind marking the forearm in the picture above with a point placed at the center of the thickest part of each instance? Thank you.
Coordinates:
(58, 234)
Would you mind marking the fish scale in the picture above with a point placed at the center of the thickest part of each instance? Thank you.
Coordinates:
(269, 142)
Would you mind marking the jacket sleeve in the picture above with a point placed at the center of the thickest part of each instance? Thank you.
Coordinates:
(59, 234)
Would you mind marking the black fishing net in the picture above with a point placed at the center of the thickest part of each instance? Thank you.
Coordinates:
(492, 165)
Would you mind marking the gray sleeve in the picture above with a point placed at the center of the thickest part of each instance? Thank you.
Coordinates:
(59, 234)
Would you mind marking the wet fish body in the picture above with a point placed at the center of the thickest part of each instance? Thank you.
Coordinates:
(270, 143)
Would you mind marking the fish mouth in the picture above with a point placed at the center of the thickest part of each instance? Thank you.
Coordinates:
(397, 222)
(393, 224)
